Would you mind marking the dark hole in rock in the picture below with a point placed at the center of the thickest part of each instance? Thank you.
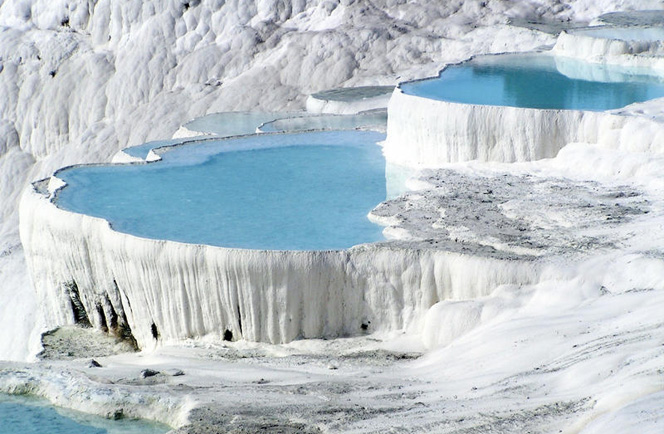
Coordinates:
(228, 335)
(155, 332)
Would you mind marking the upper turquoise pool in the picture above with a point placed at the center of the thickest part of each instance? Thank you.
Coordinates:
(539, 81)
(309, 191)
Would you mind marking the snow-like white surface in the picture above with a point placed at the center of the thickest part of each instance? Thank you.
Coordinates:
(582, 351)
(619, 45)
(81, 80)
(641, 415)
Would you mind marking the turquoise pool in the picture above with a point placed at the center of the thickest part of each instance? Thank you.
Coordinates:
(22, 415)
(539, 81)
(309, 191)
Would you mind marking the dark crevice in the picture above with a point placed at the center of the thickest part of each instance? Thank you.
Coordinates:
(239, 320)
(122, 329)
(113, 320)
(155, 331)
(102, 318)
(78, 309)
(228, 335)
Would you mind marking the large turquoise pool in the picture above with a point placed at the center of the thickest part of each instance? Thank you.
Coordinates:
(539, 81)
(308, 191)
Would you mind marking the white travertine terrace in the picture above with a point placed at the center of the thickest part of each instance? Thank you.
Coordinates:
(189, 290)
(423, 132)
(635, 46)
(167, 291)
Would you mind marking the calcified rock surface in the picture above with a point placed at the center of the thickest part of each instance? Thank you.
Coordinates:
(577, 348)
(82, 80)
(634, 45)
(167, 291)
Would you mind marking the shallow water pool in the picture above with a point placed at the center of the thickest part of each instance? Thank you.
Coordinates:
(539, 81)
(309, 191)
(624, 33)
(218, 124)
(21, 415)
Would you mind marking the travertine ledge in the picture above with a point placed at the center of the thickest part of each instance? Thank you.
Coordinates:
(167, 291)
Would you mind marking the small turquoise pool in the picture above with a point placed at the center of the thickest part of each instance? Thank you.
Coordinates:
(539, 81)
(20, 415)
(308, 191)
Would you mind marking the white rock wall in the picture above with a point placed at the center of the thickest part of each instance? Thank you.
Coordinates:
(423, 132)
(270, 296)
(601, 48)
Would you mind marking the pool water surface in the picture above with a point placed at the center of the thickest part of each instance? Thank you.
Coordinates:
(309, 191)
(23, 415)
(539, 81)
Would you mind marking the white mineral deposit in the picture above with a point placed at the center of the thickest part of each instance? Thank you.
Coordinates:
(520, 283)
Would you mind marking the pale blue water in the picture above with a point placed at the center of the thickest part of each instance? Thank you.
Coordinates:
(19, 415)
(624, 33)
(539, 81)
(308, 191)
(229, 124)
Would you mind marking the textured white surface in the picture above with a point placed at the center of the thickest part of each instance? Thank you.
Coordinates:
(618, 46)
(428, 133)
(269, 296)
(127, 72)
(81, 80)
